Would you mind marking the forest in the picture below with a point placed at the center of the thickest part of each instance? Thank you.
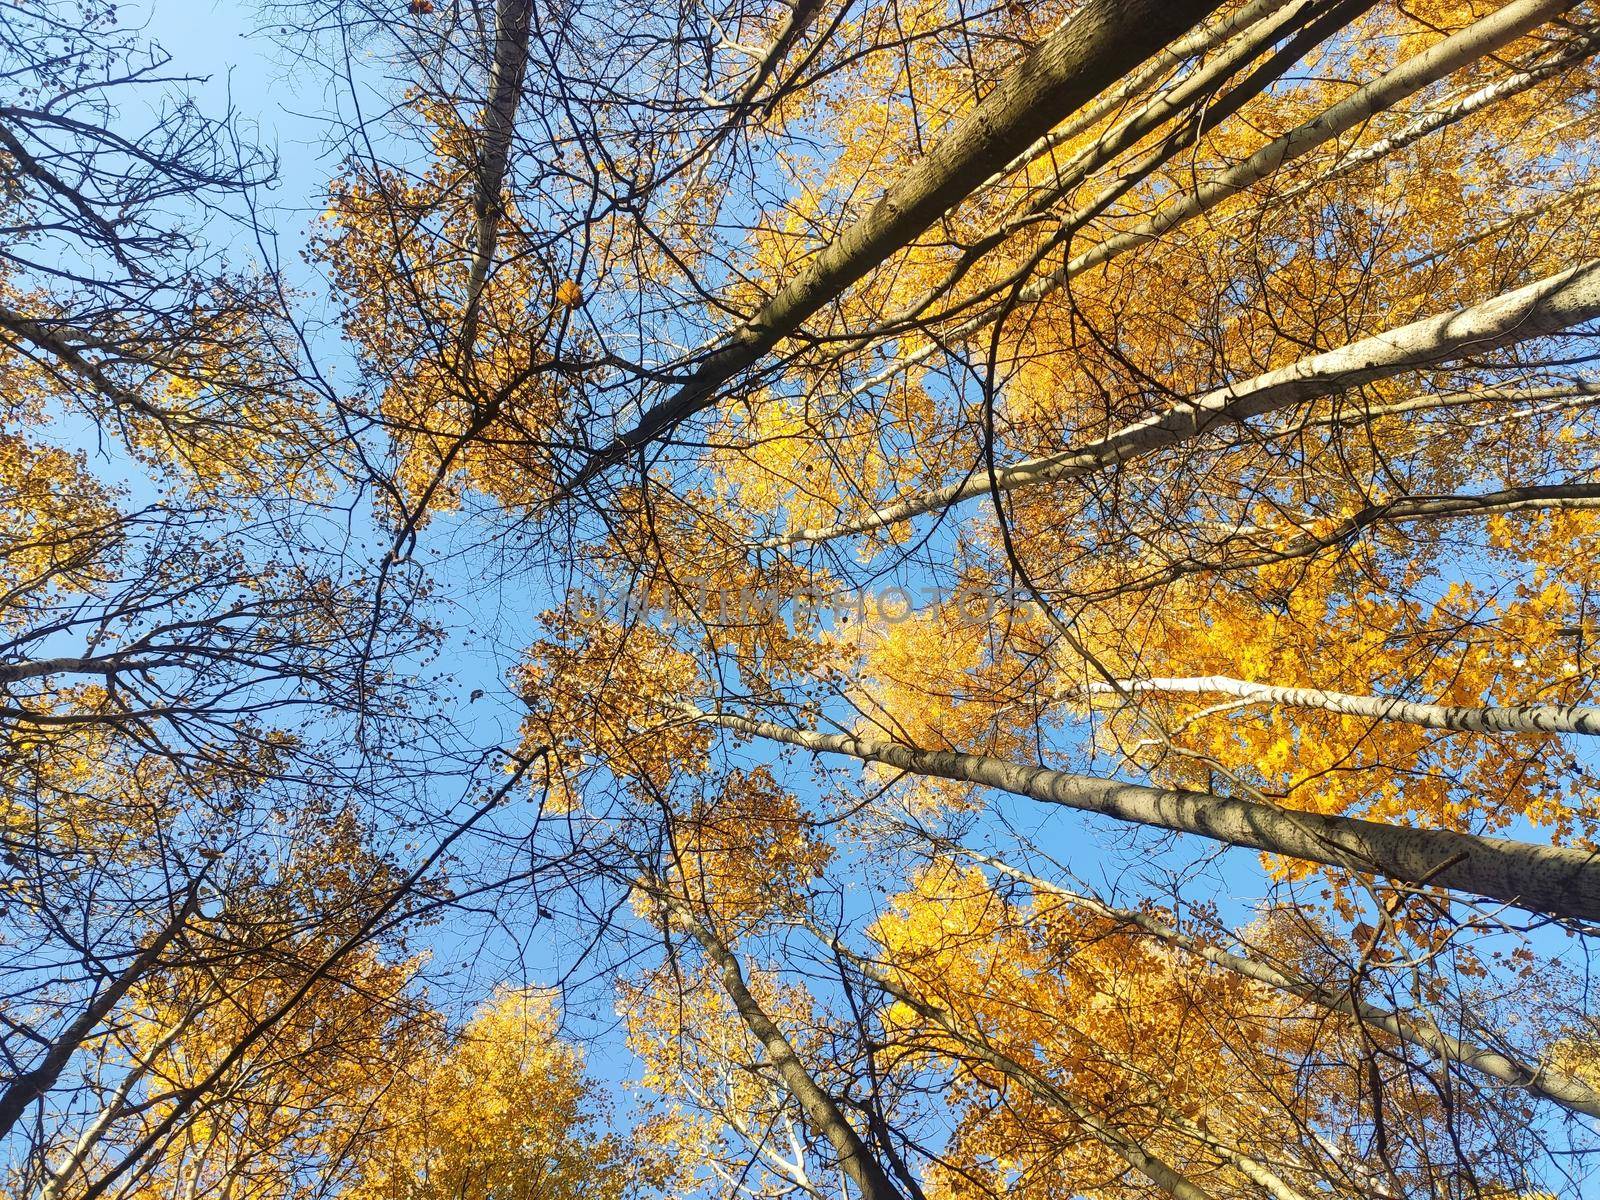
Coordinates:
(799, 600)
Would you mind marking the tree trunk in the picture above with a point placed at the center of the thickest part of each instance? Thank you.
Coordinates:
(512, 19)
(1544, 879)
(823, 1114)
(1545, 306)
(29, 1086)
(1517, 718)
(1102, 42)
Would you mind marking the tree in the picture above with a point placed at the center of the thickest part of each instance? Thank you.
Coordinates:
(1248, 404)
(502, 1109)
(179, 644)
(1219, 377)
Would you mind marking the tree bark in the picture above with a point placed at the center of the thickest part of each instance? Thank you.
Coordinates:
(1482, 38)
(1103, 41)
(1516, 718)
(1543, 307)
(1197, 43)
(1544, 879)
(512, 20)
(821, 1111)
(29, 1086)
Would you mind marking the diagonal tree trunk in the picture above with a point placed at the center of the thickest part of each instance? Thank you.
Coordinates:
(1199, 42)
(1545, 879)
(1543, 307)
(821, 1110)
(1455, 111)
(1482, 38)
(32, 1084)
(1516, 718)
(1102, 42)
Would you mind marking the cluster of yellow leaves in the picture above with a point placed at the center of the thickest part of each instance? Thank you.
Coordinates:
(1469, 648)
(87, 798)
(749, 852)
(301, 1095)
(1312, 258)
(956, 675)
(602, 692)
(966, 672)
(206, 398)
(226, 411)
(781, 457)
(1182, 1059)
(466, 407)
(1060, 988)
(505, 1109)
(57, 523)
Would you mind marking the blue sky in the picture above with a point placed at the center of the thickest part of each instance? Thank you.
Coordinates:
(226, 47)
(286, 107)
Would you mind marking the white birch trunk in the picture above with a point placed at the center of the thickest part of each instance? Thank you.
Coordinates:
(1544, 879)
(1454, 112)
(1543, 307)
(1515, 718)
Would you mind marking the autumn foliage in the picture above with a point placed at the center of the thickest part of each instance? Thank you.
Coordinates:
(878, 599)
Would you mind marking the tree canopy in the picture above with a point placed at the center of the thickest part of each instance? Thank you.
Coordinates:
(816, 599)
